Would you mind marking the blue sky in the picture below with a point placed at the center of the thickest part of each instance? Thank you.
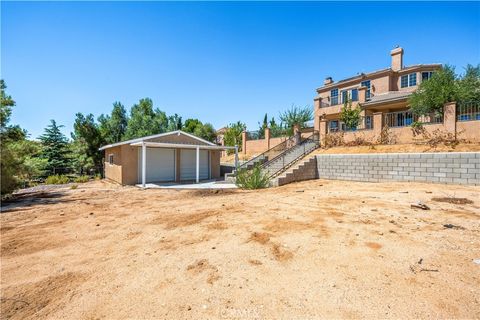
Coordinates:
(216, 61)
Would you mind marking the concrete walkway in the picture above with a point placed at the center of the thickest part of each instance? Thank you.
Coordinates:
(201, 185)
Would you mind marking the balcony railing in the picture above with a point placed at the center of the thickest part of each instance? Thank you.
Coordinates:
(468, 111)
(407, 118)
(365, 123)
(335, 101)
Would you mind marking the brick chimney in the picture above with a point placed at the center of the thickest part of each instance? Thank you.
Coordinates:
(397, 58)
(327, 80)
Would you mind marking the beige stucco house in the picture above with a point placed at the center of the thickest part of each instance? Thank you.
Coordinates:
(382, 97)
(174, 156)
(384, 91)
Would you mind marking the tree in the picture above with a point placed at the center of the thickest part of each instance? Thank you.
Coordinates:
(113, 127)
(87, 139)
(276, 130)
(469, 85)
(145, 121)
(14, 146)
(206, 131)
(233, 135)
(174, 122)
(350, 116)
(191, 124)
(446, 86)
(5, 106)
(432, 94)
(55, 149)
(296, 116)
(262, 126)
(197, 128)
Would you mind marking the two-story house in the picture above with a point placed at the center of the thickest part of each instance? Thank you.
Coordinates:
(384, 91)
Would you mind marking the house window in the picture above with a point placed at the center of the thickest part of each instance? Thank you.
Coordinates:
(412, 79)
(366, 84)
(334, 97)
(354, 94)
(333, 126)
(344, 96)
(349, 95)
(110, 158)
(408, 80)
(426, 75)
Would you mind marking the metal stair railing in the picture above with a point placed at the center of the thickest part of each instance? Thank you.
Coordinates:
(269, 154)
(291, 155)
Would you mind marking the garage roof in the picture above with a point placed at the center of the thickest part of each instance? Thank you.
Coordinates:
(144, 139)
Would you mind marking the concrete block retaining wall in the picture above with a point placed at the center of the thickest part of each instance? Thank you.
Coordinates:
(448, 167)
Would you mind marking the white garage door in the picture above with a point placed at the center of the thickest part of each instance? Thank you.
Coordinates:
(160, 164)
(188, 162)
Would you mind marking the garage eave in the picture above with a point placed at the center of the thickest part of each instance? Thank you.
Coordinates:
(180, 146)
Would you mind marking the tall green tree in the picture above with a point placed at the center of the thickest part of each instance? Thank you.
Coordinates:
(262, 126)
(174, 122)
(432, 94)
(201, 130)
(87, 139)
(233, 135)
(446, 86)
(206, 131)
(55, 149)
(469, 84)
(12, 144)
(145, 121)
(296, 116)
(113, 127)
(191, 124)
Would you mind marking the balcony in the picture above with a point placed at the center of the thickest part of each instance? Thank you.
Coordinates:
(407, 118)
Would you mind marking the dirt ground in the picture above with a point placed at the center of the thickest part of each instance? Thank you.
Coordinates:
(315, 249)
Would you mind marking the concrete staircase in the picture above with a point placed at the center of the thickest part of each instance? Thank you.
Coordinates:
(284, 161)
(281, 158)
(305, 169)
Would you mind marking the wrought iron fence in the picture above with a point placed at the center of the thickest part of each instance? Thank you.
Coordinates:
(296, 151)
(255, 135)
(468, 111)
(364, 123)
(407, 118)
(269, 154)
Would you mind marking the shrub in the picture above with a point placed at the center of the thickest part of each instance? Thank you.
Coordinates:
(74, 186)
(350, 116)
(82, 179)
(252, 179)
(386, 136)
(57, 179)
(334, 139)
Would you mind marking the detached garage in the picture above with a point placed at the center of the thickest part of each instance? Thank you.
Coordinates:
(168, 157)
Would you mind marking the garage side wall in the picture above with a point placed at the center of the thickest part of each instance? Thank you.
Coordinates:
(215, 164)
(113, 171)
(129, 165)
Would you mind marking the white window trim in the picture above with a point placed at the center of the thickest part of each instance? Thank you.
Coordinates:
(408, 80)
